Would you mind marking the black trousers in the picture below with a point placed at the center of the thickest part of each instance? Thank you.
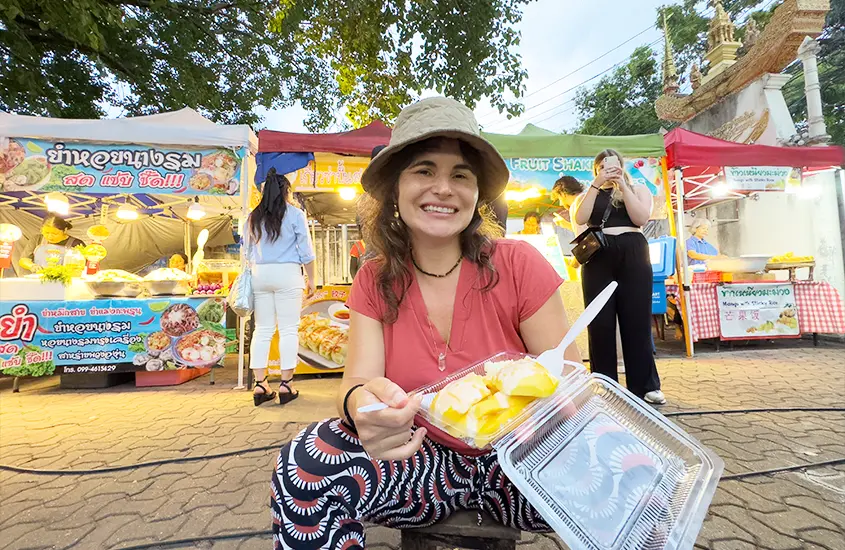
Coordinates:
(626, 261)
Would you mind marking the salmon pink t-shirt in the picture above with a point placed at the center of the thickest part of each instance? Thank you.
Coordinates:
(484, 323)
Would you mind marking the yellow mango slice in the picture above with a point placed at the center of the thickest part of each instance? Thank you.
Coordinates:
(460, 395)
(525, 378)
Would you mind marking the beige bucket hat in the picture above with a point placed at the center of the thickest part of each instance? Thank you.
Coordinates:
(436, 117)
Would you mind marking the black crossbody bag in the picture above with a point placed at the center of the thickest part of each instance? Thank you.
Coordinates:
(593, 239)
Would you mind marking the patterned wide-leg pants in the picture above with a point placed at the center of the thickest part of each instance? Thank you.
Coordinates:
(325, 485)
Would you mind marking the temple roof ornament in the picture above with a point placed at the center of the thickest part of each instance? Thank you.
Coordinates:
(721, 27)
(752, 33)
(720, 39)
(670, 73)
(774, 49)
(695, 76)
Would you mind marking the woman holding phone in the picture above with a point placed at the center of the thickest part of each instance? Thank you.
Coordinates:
(626, 208)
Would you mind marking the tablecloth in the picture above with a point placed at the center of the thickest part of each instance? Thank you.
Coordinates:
(820, 308)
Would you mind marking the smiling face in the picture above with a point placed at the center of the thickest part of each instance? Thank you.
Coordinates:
(437, 193)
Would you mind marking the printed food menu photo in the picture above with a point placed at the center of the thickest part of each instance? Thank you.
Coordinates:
(118, 335)
(322, 333)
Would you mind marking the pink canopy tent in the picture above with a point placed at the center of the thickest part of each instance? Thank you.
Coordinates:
(697, 165)
(701, 160)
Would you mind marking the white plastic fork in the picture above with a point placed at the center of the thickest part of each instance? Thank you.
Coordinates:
(553, 359)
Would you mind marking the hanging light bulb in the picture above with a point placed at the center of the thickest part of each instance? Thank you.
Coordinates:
(127, 212)
(57, 203)
(348, 193)
(196, 212)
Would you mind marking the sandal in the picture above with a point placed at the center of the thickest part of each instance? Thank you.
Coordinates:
(288, 396)
(259, 398)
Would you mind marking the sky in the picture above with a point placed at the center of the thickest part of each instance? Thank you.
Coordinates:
(558, 37)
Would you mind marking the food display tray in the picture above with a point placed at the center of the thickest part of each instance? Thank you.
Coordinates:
(610, 473)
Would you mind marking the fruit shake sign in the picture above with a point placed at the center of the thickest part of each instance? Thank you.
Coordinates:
(119, 335)
(543, 172)
(35, 165)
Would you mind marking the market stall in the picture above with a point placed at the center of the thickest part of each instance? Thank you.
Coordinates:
(776, 197)
(537, 158)
(133, 188)
(325, 171)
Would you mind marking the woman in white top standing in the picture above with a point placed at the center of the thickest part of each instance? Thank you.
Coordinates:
(282, 247)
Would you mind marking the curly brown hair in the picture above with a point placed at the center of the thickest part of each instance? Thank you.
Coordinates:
(388, 237)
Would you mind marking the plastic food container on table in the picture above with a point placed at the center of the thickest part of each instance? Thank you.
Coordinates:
(605, 470)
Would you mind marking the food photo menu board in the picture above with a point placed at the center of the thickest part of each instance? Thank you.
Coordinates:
(115, 335)
(323, 338)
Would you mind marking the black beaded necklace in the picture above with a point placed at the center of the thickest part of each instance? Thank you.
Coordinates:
(439, 276)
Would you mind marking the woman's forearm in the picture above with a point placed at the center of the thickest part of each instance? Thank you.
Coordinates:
(638, 206)
(309, 271)
(582, 213)
(699, 256)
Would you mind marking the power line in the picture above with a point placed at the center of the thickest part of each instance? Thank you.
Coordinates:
(584, 66)
(743, 16)
(520, 119)
(611, 126)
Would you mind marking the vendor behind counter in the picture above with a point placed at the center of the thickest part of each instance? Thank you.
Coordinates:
(52, 246)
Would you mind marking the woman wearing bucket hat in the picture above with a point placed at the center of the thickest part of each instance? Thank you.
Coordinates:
(440, 294)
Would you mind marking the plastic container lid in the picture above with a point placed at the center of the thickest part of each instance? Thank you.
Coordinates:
(609, 473)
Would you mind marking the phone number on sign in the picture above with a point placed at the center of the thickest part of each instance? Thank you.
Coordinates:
(89, 368)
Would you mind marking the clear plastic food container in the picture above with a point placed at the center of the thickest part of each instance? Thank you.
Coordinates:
(571, 372)
(605, 470)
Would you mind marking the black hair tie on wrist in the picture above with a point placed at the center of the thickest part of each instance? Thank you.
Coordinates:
(346, 406)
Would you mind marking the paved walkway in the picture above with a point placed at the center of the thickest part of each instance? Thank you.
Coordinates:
(44, 427)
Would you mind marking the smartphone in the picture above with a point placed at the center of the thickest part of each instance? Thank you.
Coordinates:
(611, 162)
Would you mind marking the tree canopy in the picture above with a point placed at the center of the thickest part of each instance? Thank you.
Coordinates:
(228, 58)
(622, 103)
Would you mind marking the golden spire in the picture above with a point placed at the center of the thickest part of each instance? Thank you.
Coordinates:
(721, 27)
(722, 44)
(670, 73)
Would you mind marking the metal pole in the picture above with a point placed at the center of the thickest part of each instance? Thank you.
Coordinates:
(245, 183)
(683, 264)
(344, 251)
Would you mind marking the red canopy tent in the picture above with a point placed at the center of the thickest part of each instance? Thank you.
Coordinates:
(698, 161)
(359, 142)
(686, 148)
(701, 159)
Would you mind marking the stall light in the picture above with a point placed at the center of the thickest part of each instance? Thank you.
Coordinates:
(57, 203)
(10, 233)
(720, 190)
(196, 212)
(127, 212)
(348, 193)
(515, 195)
(806, 191)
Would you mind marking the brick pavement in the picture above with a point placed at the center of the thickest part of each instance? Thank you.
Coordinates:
(48, 428)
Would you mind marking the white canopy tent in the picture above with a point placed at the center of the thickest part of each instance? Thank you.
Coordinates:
(184, 129)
